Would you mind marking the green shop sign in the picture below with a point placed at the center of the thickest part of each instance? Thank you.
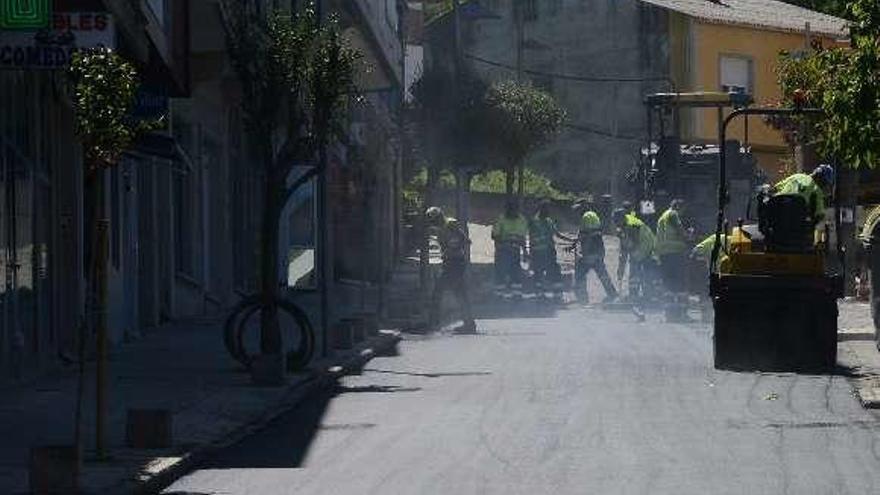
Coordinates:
(24, 14)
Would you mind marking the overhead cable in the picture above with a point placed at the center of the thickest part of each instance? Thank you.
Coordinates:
(569, 77)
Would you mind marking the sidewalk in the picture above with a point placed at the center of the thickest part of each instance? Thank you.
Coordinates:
(857, 351)
(183, 368)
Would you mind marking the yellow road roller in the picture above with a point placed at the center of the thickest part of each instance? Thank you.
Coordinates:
(775, 299)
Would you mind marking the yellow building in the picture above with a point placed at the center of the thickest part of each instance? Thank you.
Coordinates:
(734, 45)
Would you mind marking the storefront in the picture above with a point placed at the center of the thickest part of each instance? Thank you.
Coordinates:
(40, 273)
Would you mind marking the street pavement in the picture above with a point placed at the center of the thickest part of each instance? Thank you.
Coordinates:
(581, 401)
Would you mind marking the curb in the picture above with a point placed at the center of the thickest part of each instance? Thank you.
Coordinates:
(863, 378)
(327, 373)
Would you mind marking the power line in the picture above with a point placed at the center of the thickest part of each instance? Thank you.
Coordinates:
(569, 77)
(600, 132)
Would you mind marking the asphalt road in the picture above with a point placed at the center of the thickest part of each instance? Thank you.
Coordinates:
(580, 402)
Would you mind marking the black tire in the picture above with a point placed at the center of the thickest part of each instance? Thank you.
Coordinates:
(241, 312)
(297, 359)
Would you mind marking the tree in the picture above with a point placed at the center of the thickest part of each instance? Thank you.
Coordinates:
(845, 82)
(453, 118)
(103, 87)
(524, 119)
(295, 74)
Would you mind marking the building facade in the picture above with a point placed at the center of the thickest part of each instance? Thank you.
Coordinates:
(736, 47)
(600, 58)
(184, 203)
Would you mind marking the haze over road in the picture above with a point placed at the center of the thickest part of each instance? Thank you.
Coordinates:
(583, 401)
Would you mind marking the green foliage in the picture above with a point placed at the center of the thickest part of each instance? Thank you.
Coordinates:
(492, 181)
(331, 76)
(271, 56)
(537, 185)
(846, 84)
(832, 7)
(103, 88)
(524, 118)
(289, 66)
(438, 8)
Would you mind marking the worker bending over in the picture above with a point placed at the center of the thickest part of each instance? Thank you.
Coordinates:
(672, 249)
(454, 247)
(812, 188)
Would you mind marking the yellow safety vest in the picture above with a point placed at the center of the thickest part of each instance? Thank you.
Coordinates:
(704, 248)
(804, 186)
(644, 239)
(669, 238)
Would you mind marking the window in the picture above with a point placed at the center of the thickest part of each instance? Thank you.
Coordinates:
(736, 74)
(301, 240)
(391, 14)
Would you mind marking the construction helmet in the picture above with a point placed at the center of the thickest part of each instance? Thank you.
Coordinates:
(824, 173)
(434, 215)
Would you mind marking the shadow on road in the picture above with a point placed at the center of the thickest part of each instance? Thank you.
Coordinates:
(430, 375)
(285, 442)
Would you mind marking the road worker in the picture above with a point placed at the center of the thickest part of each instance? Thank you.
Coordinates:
(509, 233)
(636, 249)
(454, 247)
(543, 231)
(672, 250)
(811, 187)
(592, 253)
(702, 252)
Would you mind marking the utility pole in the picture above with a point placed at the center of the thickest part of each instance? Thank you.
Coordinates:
(519, 29)
(519, 11)
(460, 177)
(322, 253)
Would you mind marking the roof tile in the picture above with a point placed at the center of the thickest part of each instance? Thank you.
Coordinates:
(769, 14)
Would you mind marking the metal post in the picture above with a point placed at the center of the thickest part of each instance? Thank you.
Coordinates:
(322, 253)
(101, 232)
(520, 37)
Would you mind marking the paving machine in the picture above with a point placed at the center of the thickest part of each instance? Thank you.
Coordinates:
(775, 299)
(670, 167)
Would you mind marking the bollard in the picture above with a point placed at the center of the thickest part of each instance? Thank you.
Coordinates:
(148, 429)
(54, 470)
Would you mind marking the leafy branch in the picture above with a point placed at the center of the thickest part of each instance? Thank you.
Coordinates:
(845, 82)
(103, 88)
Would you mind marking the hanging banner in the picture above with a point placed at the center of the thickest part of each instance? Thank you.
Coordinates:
(53, 48)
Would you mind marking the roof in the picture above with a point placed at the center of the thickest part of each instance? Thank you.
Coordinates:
(767, 14)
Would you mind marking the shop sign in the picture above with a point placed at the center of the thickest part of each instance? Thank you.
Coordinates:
(24, 14)
(53, 47)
